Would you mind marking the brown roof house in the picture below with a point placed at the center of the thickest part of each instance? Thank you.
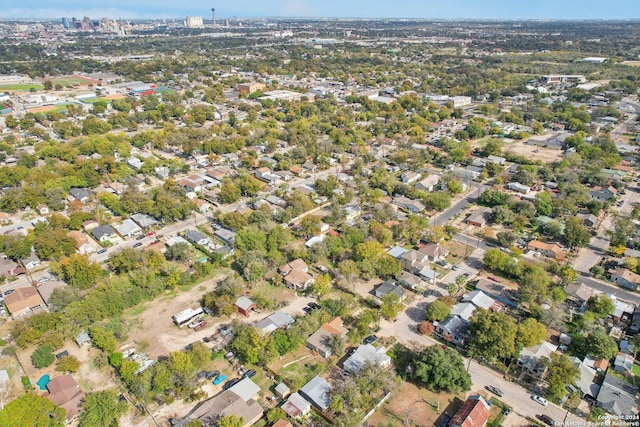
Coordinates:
(82, 242)
(320, 341)
(226, 403)
(65, 392)
(551, 250)
(295, 275)
(24, 302)
(474, 412)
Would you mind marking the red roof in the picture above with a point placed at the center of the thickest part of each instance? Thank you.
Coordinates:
(473, 413)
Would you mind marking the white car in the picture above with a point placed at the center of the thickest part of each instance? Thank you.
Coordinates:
(541, 400)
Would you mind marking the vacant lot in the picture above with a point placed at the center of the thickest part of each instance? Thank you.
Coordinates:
(412, 405)
(545, 155)
(72, 81)
(299, 367)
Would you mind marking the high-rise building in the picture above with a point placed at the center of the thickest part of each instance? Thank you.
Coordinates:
(65, 23)
(194, 22)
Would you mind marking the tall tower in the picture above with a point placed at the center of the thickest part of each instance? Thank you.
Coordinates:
(213, 16)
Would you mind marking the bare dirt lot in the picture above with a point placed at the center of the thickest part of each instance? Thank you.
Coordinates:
(545, 155)
(412, 405)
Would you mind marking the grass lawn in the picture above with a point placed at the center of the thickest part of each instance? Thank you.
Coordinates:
(298, 367)
(70, 81)
(94, 100)
(21, 87)
(636, 371)
(137, 311)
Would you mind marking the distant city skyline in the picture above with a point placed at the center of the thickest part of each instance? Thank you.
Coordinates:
(436, 9)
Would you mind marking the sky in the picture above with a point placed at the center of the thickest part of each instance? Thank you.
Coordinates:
(435, 9)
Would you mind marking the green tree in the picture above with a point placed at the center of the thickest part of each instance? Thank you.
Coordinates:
(68, 364)
(493, 335)
(506, 238)
(561, 373)
(231, 421)
(179, 252)
(321, 285)
(601, 306)
(180, 364)
(229, 192)
(439, 369)
(42, 356)
(78, 271)
(102, 408)
(391, 306)
(575, 233)
(276, 414)
(33, 411)
(437, 311)
(597, 343)
(530, 333)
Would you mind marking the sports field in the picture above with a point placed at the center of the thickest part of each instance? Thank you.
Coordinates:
(72, 81)
(24, 87)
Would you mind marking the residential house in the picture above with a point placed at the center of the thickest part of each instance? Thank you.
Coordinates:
(226, 403)
(496, 159)
(520, 188)
(298, 280)
(598, 363)
(196, 237)
(162, 172)
(409, 177)
(143, 220)
(128, 228)
(617, 396)
(585, 384)
(621, 309)
(190, 185)
(320, 340)
(434, 251)
(463, 310)
(351, 213)
(482, 300)
(246, 389)
(532, 360)
(550, 250)
(623, 363)
(589, 220)
(82, 242)
(265, 174)
(625, 278)
(31, 262)
(42, 209)
(83, 338)
(579, 294)
(411, 281)
(245, 305)
(413, 260)
(365, 355)
(428, 275)
(103, 233)
(296, 406)
(276, 320)
(429, 183)
(479, 218)
(81, 194)
(227, 236)
(65, 392)
(24, 302)
(603, 194)
(413, 206)
(454, 330)
(296, 264)
(174, 240)
(474, 412)
(317, 392)
(8, 267)
(202, 205)
(135, 163)
(46, 289)
(282, 423)
(390, 287)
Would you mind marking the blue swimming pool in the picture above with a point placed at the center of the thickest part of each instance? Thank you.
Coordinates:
(43, 381)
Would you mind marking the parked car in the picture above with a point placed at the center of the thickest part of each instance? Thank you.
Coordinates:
(494, 390)
(101, 251)
(9, 292)
(546, 419)
(541, 400)
(495, 279)
(314, 305)
(140, 237)
(230, 383)
(322, 268)
(307, 310)
(137, 245)
(220, 379)
(211, 374)
(370, 339)
(249, 374)
(455, 267)
(200, 326)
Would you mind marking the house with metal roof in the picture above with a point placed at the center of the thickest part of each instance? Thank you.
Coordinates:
(317, 391)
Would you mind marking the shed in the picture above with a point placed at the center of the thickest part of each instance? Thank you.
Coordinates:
(282, 390)
(83, 338)
(245, 305)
